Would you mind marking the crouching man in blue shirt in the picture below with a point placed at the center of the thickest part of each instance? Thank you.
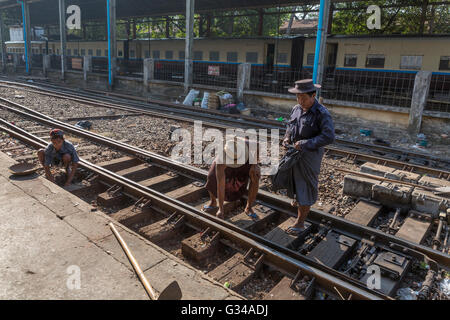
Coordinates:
(59, 152)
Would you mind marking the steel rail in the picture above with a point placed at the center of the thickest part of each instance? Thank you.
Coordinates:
(325, 276)
(268, 199)
(249, 120)
(330, 149)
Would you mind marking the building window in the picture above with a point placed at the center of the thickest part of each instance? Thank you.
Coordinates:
(232, 56)
(98, 52)
(310, 59)
(375, 61)
(69, 52)
(147, 54)
(350, 60)
(57, 51)
(106, 52)
(83, 52)
(155, 54)
(132, 54)
(75, 52)
(90, 52)
(282, 58)
(444, 63)
(251, 57)
(181, 55)
(198, 55)
(214, 56)
(169, 54)
(411, 62)
(50, 51)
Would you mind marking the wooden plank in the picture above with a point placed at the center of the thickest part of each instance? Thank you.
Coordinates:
(283, 291)
(364, 213)
(139, 172)
(414, 230)
(243, 221)
(332, 250)
(165, 182)
(189, 193)
(233, 271)
(120, 163)
(279, 235)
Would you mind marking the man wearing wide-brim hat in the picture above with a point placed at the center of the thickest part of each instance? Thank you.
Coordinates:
(233, 176)
(310, 128)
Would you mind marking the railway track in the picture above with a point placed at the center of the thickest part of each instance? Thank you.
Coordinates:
(357, 152)
(161, 200)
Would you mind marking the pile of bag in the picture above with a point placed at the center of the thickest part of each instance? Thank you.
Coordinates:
(221, 100)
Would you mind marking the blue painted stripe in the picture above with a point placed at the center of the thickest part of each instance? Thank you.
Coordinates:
(25, 36)
(109, 44)
(318, 40)
(383, 70)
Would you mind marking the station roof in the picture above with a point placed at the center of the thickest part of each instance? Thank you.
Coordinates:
(46, 11)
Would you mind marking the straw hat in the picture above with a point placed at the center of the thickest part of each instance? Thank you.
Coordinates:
(235, 156)
(304, 86)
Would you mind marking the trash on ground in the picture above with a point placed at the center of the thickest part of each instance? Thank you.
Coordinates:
(365, 132)
(84, 124)
(189, 100)
(407, 294)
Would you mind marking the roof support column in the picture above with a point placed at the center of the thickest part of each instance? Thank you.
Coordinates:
(208, 25)
(26, 34)
(188, 64)
(2, 44)
(62, 36)
(111, 19)
(260, 22)
(321, 42)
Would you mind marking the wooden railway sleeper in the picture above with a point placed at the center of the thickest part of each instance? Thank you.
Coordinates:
(210, 236)
(303, 284)
(253, 259)
(114, 190)
(175, 220)
(140, 205)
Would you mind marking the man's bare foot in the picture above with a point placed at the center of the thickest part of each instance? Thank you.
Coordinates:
(219, 215)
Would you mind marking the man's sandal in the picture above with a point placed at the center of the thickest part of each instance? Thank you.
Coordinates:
(294, 231)
(251, 214)
(295, 203)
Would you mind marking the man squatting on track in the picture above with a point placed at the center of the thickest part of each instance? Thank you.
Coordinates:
(228, 180)
(59, 152)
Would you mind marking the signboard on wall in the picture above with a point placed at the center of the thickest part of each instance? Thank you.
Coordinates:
(77, 63)
(213, 70)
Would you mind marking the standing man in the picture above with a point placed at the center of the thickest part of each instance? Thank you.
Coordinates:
(59, 152)
(310, 128)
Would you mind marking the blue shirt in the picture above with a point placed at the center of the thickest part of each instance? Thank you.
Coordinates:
(313, 128)
(67, 147)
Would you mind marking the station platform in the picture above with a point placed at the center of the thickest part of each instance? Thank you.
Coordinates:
(52, 246)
